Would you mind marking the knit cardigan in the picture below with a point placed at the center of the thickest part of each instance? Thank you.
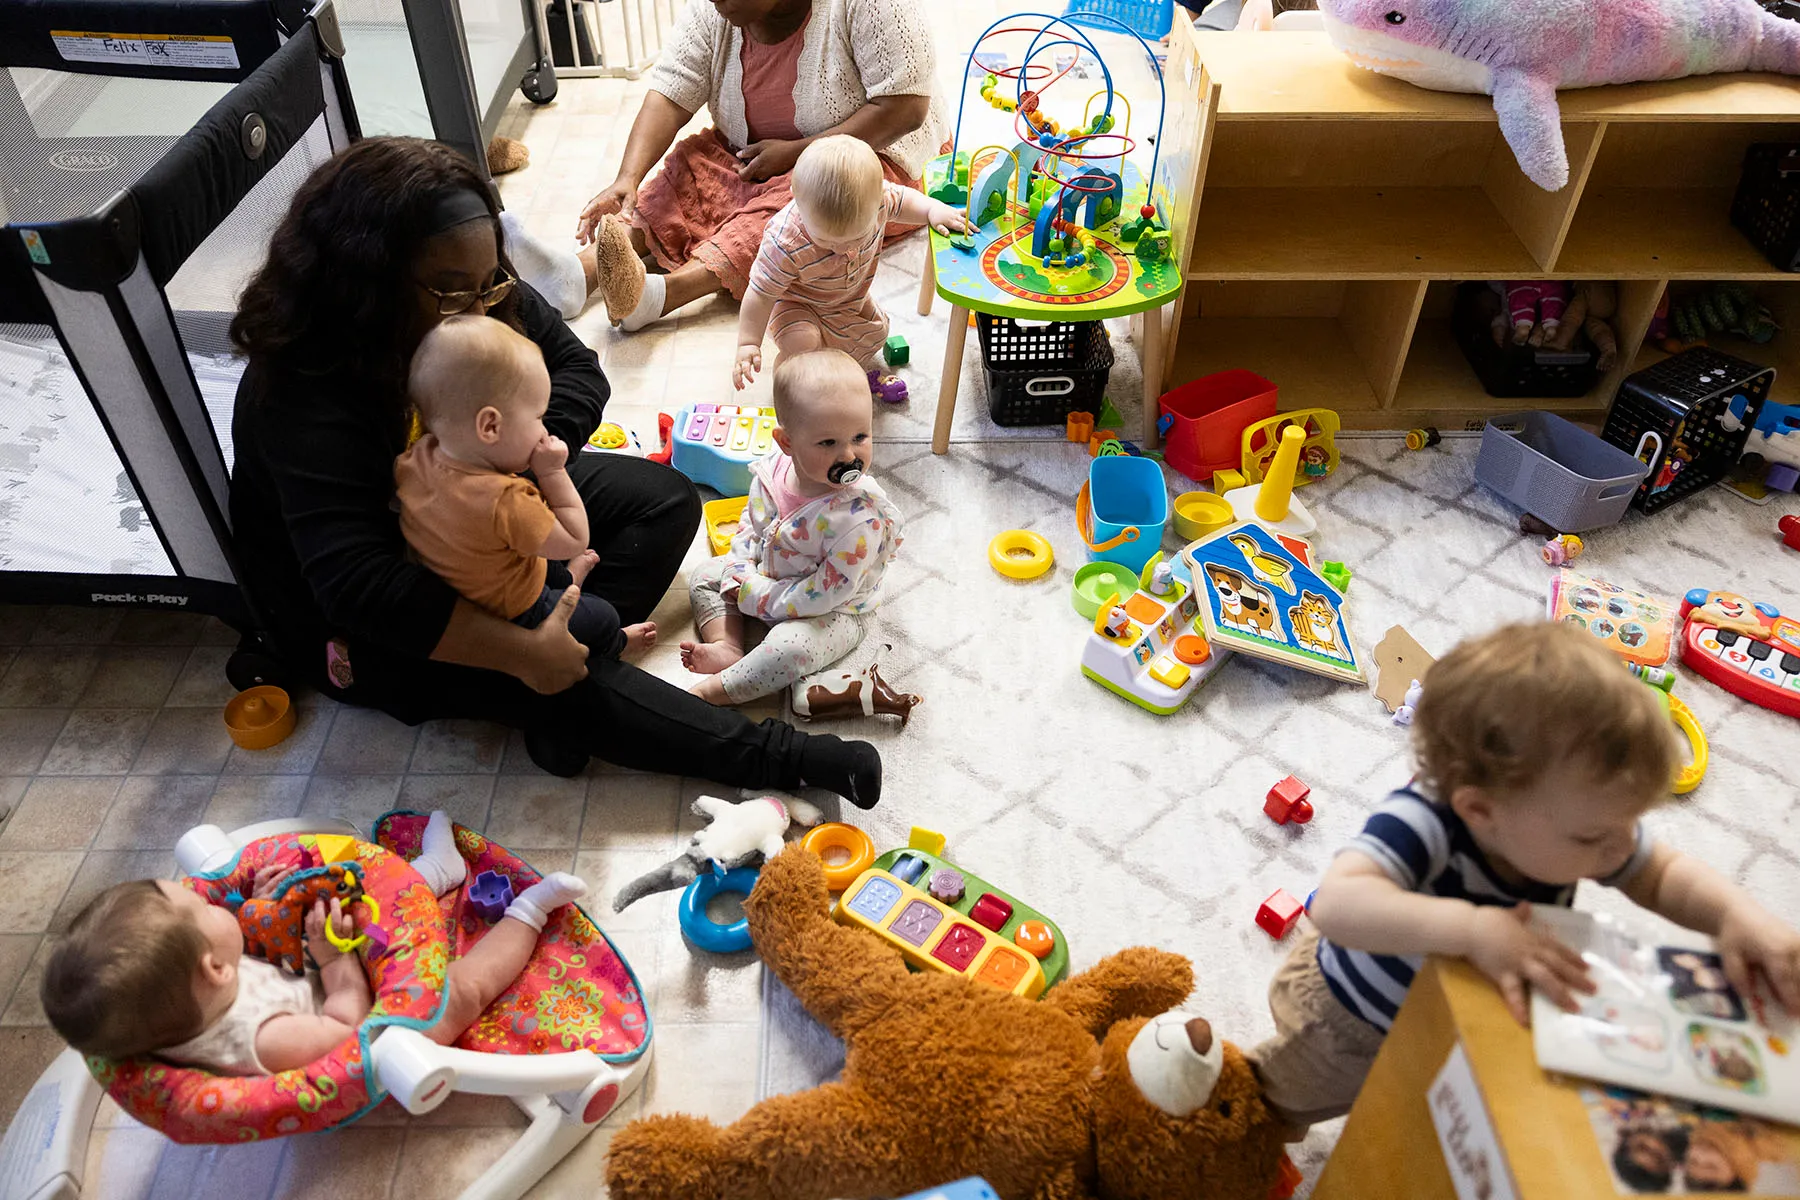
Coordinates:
(854, 51)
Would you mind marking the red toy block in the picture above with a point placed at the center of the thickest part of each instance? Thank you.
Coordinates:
(1790, 532)
(991, 911)
(1278, 913)
(1287, 802)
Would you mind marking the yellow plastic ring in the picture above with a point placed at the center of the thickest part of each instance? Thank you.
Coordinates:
(835, 835)
(348, 945)
(1688, 778)
(1037, 559)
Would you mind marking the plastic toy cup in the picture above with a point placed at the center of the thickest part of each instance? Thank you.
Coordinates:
(1098, 580)
(1122, 510)
(1200, 513)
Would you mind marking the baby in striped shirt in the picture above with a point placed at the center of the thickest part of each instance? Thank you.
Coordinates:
(1537, 753)
(809, 285)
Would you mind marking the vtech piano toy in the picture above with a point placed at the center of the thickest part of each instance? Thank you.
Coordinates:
(716, 443)
(1748, 649)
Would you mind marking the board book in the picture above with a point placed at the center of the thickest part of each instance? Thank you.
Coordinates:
(1666, 1020)
(1260, 595)
(1638, 628)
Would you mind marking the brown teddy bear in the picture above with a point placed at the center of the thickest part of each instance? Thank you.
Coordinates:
(1098, 1090)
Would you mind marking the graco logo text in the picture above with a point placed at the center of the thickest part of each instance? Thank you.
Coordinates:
(83, 160)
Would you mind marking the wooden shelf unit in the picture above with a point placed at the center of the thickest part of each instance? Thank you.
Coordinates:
(1334, 209)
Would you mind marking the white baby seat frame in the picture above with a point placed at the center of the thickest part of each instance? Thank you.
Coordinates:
(45, 1150)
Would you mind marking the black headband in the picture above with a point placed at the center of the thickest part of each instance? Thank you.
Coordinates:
(453, 207)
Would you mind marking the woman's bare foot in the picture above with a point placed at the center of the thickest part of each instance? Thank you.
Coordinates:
(709, 658)
(639, 638)
(711, 691)
(581, 564)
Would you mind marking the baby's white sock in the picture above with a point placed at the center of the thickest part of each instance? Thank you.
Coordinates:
(556, 274)
(649, 306)
(438, 861)
(535, 904)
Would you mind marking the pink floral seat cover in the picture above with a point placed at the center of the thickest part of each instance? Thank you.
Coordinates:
(576, 993)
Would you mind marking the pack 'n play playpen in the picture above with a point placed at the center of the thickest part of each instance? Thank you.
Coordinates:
(142, 174)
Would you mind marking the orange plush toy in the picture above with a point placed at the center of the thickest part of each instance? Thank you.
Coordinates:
(1098, 1091)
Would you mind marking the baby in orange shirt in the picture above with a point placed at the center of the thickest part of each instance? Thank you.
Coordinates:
(482, 390)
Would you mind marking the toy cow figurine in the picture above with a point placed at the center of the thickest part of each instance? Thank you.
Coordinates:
(275, 928)
(834, 695)
(1117, 621)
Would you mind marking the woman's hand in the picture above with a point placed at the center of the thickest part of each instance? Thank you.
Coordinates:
(946, 220)
(767, 159)
(1751, 937)
(554, 661)
(1511, 954)
(551, 454)
(619, 196)
(749, 362)
(317, 944)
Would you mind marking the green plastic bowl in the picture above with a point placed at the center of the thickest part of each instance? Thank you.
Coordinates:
(1098, 580)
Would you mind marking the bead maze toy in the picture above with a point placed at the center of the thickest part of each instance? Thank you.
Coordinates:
(1263, 596)
(1065, 225)
(715, 444)
(985, 933)
(1750, 650)
(1148, 646)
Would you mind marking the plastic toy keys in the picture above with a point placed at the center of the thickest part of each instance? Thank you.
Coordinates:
(489, 894)
(275, 927)
(1750, 650)
(1278, 914)
(1287, 801)
(1790, 532)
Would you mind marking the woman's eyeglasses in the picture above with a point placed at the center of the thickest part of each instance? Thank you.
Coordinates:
(451, 303)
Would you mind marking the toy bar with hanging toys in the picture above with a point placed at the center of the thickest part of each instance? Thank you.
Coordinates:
(1750, 650)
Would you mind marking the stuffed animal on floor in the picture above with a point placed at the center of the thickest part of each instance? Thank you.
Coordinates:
(736, 835)
(275, 929)
(1521, 51)
(834, 695)
(1101, 1088)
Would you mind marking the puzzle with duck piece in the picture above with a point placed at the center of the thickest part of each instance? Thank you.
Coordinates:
(1261, 594)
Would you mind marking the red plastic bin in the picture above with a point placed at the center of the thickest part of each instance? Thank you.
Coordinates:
(1209, 418)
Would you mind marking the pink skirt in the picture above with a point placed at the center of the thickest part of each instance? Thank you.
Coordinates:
(697, 208)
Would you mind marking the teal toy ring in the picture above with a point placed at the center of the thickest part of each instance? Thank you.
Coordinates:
(701, 929)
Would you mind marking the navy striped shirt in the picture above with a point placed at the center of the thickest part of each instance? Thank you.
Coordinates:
(1425, 847)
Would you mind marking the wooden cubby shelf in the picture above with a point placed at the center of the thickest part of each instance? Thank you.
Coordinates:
(1333, 210)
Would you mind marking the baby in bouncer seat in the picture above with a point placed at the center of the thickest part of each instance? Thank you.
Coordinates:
(149, 967)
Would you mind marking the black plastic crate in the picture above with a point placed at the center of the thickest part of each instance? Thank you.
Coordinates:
(1513, 371)
(1767, 204)
(1039, 374)
(1688, 417)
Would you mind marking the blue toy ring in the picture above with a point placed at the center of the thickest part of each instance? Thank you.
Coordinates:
(701, 929)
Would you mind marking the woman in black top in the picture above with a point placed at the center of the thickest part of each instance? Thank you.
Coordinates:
(380, 243)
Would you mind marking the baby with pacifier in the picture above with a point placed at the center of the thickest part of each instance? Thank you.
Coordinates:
(149, 967)
(809, 554)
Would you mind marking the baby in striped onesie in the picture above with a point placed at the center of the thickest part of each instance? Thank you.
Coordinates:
(809, 286)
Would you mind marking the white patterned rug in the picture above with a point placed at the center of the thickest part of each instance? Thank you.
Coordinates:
(1130, 828)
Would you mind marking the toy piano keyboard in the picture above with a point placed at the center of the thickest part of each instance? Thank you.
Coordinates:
(977, 935)
(1160, 656)
(716, 443)
(1750, 650)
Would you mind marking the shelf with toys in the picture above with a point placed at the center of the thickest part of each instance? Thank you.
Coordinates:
(1335, 210)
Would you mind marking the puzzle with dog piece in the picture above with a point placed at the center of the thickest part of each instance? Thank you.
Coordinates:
(1259, 594)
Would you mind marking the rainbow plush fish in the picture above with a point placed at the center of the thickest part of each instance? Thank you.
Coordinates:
(1521, 51)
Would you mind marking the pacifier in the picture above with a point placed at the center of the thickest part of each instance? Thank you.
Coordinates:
(845, 472)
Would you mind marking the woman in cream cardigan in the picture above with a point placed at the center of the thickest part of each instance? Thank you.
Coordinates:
(774, 74)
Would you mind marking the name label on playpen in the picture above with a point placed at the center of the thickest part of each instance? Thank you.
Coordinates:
(175, 51)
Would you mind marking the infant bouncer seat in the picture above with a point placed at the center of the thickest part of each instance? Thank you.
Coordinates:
(567, 1041)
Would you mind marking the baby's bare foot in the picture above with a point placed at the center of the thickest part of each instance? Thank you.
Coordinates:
(639, 638)
(709, 658)
(581, 564)
(711, 691)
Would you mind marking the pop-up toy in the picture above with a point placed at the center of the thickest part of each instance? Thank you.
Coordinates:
(1147, 644)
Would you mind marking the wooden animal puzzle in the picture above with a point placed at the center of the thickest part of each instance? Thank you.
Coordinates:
(1261, 595)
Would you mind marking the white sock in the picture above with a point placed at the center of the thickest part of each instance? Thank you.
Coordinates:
(438, 861)
(649, 306)
(555, 273)
(535, 904)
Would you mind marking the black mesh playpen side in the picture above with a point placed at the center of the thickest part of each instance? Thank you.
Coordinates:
(91, 289)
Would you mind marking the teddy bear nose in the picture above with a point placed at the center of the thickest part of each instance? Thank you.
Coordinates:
(1200, 1035)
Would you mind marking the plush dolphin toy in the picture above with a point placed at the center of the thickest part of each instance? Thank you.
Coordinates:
(1521, 51)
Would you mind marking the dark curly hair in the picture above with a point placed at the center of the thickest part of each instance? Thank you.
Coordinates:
(331, 298)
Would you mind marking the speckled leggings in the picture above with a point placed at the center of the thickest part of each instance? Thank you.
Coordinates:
(790, 650)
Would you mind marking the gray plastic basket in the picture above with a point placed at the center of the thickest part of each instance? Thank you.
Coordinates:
(1557, 471)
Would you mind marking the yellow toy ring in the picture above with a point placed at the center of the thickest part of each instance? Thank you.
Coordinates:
(1688, 778)
(1004, 549)
(348, 945)
(835, 835)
